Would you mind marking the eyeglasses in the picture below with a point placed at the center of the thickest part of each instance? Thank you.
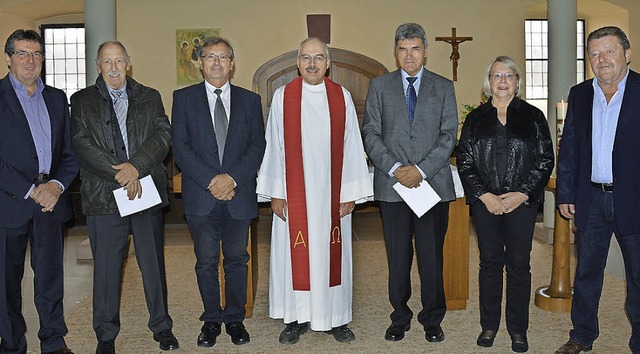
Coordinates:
(212, 57)
(23, 55)
(499, 76)
(307, 58)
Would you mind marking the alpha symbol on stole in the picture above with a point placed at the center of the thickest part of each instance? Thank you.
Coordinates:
(335, 235)
(300, 240)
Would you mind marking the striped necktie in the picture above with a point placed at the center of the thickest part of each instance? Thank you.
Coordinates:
(120, 105)
(221, 124)
(411, 98)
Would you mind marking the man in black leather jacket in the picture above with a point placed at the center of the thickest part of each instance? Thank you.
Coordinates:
(120, 133)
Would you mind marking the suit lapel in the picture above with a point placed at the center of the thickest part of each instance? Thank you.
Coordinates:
(55, 121)
(628, 105)
(19, 119)
(397, 87)
(202, 111)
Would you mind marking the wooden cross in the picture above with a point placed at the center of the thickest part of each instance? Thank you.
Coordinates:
(455, 55)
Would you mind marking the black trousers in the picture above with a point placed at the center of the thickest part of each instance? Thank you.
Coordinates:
(108, 235)
(399, 224)
(44, 232)
(207, 231)
(505, 240)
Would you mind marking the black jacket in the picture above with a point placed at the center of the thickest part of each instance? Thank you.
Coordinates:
(530, 154)
(149, 135)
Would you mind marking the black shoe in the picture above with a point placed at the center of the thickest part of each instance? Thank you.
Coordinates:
(396, 332)
(519, 343)
(106, 347)
(573, 347)
(486, 337)
(238, 333)
(208, 334)
(434, 333)
(63, 350)
(291, 333)
(342, 334)
(166, 339)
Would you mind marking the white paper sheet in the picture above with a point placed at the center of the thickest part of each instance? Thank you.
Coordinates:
(149, 198)
(419, 199)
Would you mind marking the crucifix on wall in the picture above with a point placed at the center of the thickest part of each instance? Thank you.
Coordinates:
(455, 55)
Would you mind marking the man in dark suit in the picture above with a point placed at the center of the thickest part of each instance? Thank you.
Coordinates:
(37, 164)
(122, 134)
(218, 143)
(410, 125)
(599, 181)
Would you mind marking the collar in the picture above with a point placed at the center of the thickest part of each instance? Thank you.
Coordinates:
(19, 87)
(225, 88)
(515, 103)
(418, 76)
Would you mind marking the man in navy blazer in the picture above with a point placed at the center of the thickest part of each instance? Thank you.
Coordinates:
(37, 165)
(409, 143)
(599, 181)
(218, 143)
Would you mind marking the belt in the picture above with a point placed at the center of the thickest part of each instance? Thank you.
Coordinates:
(605, 187)
(42, 177)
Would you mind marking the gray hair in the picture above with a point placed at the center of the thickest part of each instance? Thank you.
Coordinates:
(410, 31)
(310, 39)
(118, 43)
(210, 41)
(508, 61)
(610, 31)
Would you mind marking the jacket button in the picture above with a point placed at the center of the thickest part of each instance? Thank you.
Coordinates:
(112, 151)
(108, 122)
(412, 137)
(123, 148)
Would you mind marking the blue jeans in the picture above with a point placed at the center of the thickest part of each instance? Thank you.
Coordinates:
(593, 246)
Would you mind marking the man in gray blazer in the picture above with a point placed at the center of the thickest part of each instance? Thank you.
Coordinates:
(409, 130)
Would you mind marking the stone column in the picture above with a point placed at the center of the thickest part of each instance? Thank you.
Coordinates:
(100, 26)
(562, 16)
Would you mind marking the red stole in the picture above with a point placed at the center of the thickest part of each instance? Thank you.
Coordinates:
(296, 197)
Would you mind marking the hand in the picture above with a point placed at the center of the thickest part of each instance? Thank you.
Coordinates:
(46, 195)
(126, 173)
(567, 210)
(493, 203)
(221, 187)
(408, 175)
(134, 189)
(346, 208)
(279, 207)
(512, 200)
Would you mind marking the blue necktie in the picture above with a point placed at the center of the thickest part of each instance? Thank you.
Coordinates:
(411, 98)
(120, 106)
(221, 123)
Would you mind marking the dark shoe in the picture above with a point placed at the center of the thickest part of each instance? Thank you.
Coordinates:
(486, 337)
(519, 343)
(166, 339)
(434, 334)
(342, 334)
(208, 334)
(63, 350)
(291, 333)
(573, 347)
(106, 347)
(238, 333)
(396, 332)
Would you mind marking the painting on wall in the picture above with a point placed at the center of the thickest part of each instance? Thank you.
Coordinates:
(188, 41)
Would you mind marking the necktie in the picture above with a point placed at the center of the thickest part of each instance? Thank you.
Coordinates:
(221, 123)
(120, 106)
(411, 98)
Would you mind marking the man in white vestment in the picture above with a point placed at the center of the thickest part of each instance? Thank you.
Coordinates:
(313, 138)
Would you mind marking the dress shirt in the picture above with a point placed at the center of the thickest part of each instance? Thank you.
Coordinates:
(605, 122)
(35, 110)
(416, 86)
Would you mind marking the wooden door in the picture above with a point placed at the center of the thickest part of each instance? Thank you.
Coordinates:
(352, 70)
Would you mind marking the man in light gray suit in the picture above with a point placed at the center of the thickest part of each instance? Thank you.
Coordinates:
(409, 130)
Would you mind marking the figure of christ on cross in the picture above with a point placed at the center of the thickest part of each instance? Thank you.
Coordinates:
(455, 43)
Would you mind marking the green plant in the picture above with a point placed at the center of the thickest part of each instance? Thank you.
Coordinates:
(467, 108)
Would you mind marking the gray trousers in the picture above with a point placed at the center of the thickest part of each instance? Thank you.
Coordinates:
(109, 235)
